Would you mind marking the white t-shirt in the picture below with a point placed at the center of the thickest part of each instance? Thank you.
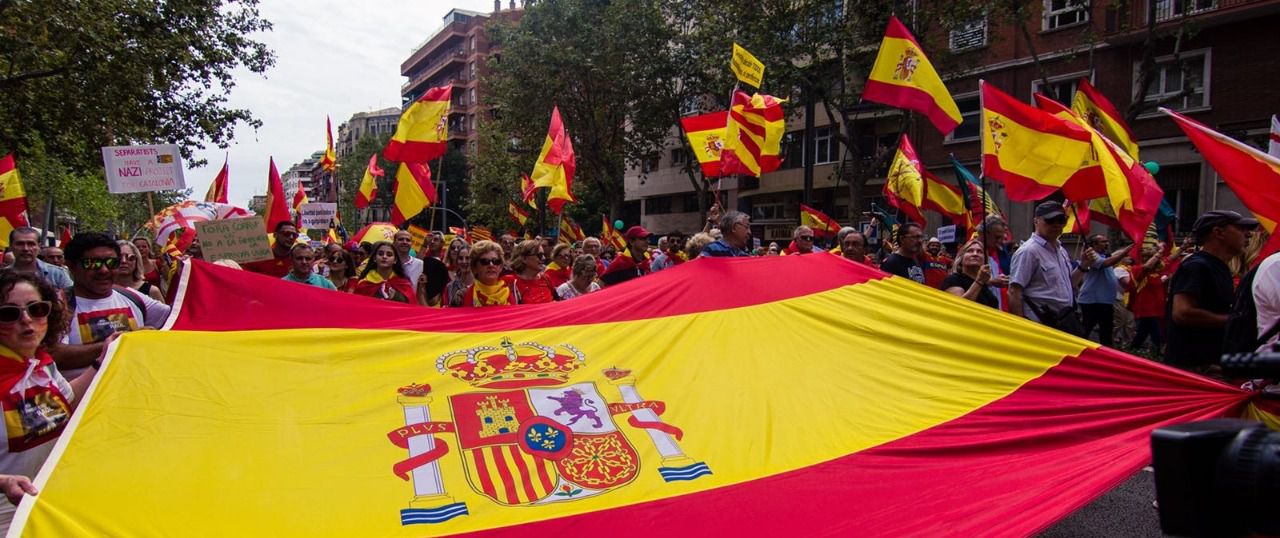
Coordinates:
(96, 319)
(1266, 293)
(567, 291)
(412, 270)
(44, 414)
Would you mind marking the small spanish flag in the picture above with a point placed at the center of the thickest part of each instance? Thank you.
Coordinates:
(1099, 113)
(369, 186)
(556, 164)
(904, 185)
(277, 208)
(946, 199)
(753, 138)
(1032, 152)
(903, 77)
(218, 189)
(517, 213)
(819, 222)
(330, 160)
(423, 131)
(13, 200)
(706, 139)
(414, 191)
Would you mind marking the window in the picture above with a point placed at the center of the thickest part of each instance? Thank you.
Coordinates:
(659, 205)
(1181, 85)
(793, 149)
(649, 163)
(473, 96)
(689, 202)
(1061, 88)
(679, 156)
(968, 36)
(825, 147)
(970, 118)
(473, 70)
(690, 106)
(1170, 9)
(1063, 13)
(768, 212)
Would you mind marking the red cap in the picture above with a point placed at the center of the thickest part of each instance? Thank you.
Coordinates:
(636, 232)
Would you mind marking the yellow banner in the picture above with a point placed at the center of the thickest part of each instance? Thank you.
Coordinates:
(746, 67)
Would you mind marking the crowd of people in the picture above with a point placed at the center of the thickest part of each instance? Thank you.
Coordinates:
(60, 308)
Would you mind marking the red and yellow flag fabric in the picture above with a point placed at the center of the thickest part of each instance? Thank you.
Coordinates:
(1098, 113)
(414, 191)
(299, 198)
(569, 230)
(277, 207)
(556, 164)
(609, 236)
(1131, 193)
(903, 77)
(946, 199)
(1032, 152)
(706, 139)
(819, 222)
(330, 160)
(13, 199)
(528, 191)
(423, 131)
(218, 189)
(369, 186)
(753, 137)
(518, 214)
(481, 233)
(565, 419)
(904, 184)
(1253, 175)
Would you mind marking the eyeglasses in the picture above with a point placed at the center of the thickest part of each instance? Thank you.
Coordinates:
(805, 238)
(489, 261)
(36, 309)
(93, 264)
(1056, 220)
(303, 258)
(337, 259)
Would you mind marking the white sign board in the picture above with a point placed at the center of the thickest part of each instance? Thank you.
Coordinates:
(947, 234)
(143, 168)
(317, 215)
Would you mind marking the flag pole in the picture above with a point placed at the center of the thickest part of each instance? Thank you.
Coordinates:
(982, 167)
(728, 119)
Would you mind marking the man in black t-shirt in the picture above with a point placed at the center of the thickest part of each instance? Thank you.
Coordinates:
(1201, 291)
(902, 262)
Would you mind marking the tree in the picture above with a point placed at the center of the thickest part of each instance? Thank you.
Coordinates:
(603, 64)
(76, 75)
(351, 172)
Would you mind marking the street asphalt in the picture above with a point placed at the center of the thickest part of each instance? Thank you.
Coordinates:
(1125, 511)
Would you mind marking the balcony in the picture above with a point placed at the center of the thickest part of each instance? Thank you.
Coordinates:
(433, 67)
(1131, 17)
(447, 34)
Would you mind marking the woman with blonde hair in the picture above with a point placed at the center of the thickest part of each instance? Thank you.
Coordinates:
(129, 273)
(583, 281)
(491, 287)
(970, 276)
(527, 262)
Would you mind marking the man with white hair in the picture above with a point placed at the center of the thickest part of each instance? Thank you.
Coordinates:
(801, 241)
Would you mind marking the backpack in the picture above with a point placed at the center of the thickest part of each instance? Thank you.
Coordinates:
(1242, 320)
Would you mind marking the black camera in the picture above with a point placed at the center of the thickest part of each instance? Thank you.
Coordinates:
(1220, 477)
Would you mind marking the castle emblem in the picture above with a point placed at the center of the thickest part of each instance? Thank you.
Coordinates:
(998, 133)
(527, 437)
(714, 145)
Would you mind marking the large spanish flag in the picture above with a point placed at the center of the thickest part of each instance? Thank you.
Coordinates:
(908, 412)
(13, 199)
(423, 131)
(946, 199)
(706, 139)
(1032, 152)
(753, 136)
(903, 77)
(414, 191)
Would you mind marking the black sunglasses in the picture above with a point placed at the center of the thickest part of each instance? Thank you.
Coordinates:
(36, 309)
(93, 264)
(489, 261)
(337, 259)
(805, 238)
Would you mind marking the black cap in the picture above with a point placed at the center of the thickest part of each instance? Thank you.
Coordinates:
(1050, 209)
(1222, 217)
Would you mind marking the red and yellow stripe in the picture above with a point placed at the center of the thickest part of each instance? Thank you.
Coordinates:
(903, 77)
(901, 411)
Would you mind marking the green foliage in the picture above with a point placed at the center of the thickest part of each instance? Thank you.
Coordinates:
(351, 172)
(76, 75)
(495, 180)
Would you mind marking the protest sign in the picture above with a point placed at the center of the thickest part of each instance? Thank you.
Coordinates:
(241, 239)
(947, 234)
(143, 168)
(317, 215)
(419, 237)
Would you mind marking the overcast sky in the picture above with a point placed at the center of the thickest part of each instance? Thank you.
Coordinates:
(332, 57)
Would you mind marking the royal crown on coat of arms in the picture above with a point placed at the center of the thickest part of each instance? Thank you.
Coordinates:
(527, 364)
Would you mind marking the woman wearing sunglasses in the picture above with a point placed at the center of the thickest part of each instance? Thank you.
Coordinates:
(383, 276)
(37, 399)
(534, 286)
(129, 272)
(342, 270)
(491, 288)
